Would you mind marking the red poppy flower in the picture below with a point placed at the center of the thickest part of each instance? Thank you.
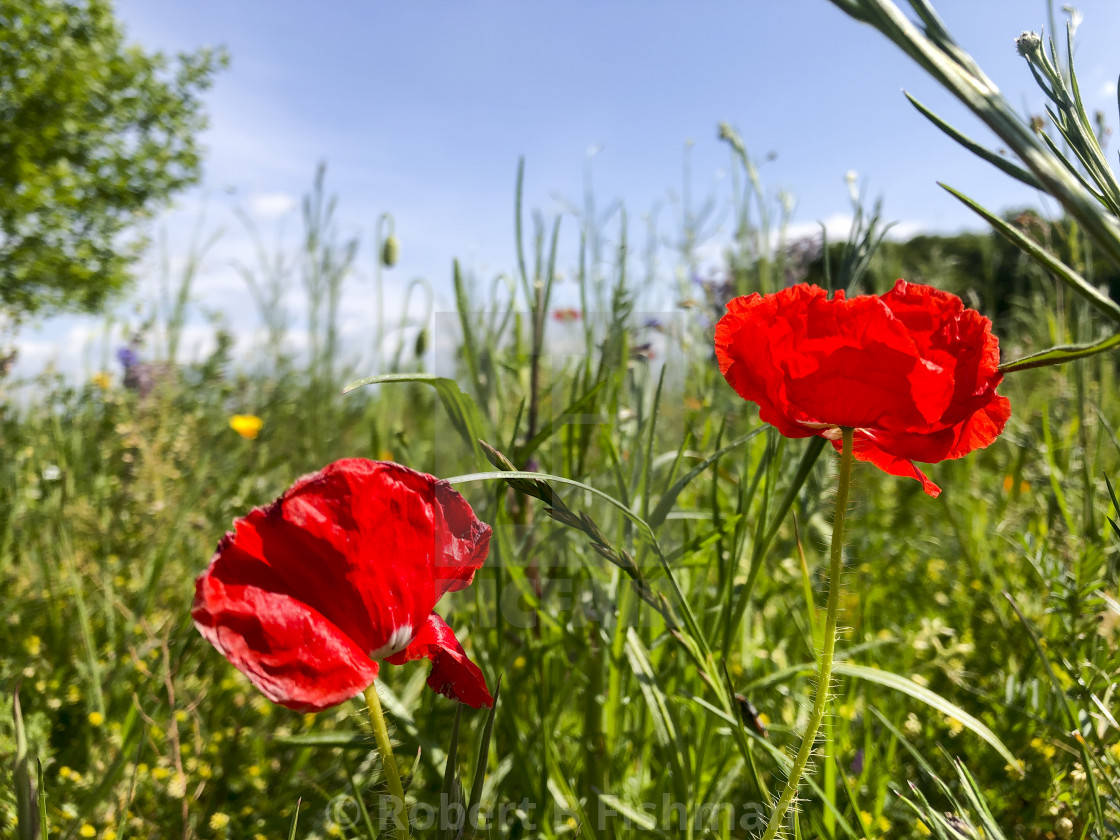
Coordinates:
(912, 371)
(306, 595)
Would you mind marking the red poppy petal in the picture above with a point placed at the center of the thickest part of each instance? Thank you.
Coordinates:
(380, 519)
(959, 340)
(913, 371)
(337, 572)
(453, 674)
(866, 450)
(745, 358)
(977, 431)
(464, 542)
(806, 359)
(982, 428)
(289, 651)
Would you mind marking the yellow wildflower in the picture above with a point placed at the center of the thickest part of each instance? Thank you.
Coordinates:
(102, 380)
(218, 821)
(87, 830)
(246, 425)
(96, 718)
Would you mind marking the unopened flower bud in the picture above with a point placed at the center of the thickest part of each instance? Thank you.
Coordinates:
(390, 251)
(1029, 46)
(421, 343)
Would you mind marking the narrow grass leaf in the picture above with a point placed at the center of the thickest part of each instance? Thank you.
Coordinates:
(669, 497)
(27, 822)
(641, 820)
(483, 754)
(665, 731)
(996, 160)
(930, 698)
(295, 821)
(1040, 255)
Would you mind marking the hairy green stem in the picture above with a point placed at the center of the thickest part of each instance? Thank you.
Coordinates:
(820, 700)
(381, 733)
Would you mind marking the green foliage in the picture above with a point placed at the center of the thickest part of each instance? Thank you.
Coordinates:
(669, 568)
(94, 135)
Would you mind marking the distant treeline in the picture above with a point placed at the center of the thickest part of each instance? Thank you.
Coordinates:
(984, 265)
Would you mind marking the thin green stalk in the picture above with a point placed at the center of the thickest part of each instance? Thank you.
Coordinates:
(381, 733)
(820, 700)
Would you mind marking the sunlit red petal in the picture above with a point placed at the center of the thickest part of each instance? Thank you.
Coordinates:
(286, 648)
(866, 450)
(463, 541)
(913, 371)
(340, 570)
(453, 674)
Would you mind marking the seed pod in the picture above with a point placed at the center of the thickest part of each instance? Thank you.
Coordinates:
(421, 343)
(390, 251)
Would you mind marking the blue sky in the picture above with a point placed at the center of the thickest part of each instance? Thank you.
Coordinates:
(422, 109)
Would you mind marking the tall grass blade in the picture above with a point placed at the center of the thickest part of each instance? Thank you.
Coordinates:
(931, 699)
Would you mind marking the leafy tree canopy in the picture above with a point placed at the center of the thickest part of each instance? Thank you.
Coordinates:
(94, 136)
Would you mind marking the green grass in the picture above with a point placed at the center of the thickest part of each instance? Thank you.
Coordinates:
(985, 614)
(653, 606)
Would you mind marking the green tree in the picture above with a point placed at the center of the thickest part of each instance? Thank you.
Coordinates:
(95, 135)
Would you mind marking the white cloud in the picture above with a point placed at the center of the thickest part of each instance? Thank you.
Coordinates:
(839, 225)
(270, 205)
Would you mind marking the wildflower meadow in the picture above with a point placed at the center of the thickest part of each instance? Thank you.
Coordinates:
(820, 543)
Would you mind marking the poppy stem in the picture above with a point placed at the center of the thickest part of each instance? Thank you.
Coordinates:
(381, 734)
(820, 700)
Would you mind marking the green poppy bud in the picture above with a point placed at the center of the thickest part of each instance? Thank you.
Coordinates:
(390, 251)
(421, 343)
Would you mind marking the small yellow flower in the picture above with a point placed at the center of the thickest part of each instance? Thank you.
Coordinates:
(33, 645)
(246, 425)
(87, 830)
(1046, 749)
(96, 718)
(109, 834)
(923, 829)
(102, 380)
(218, 821)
